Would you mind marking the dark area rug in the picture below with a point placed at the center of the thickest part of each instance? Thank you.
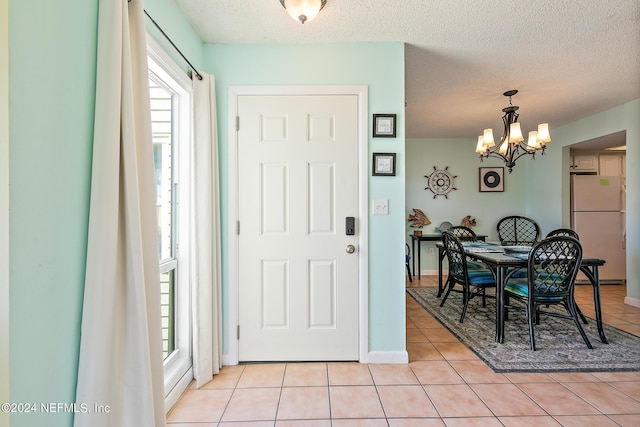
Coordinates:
(559, 346)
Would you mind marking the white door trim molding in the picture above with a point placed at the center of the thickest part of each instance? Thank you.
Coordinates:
(231, 358)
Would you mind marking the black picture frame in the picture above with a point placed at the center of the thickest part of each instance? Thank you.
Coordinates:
(384, 125)
(491, 180)
(384, 164)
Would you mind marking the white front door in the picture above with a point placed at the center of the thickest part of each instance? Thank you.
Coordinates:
(297, 184)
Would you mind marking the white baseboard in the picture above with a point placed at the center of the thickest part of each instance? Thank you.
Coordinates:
(424, 273)
(634, 302)
(374, 357)
(432, 272)
(400, 357)
(227, 360)
(177, 391)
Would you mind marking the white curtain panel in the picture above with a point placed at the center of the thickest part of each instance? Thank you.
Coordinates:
(120, 364)
(207, 288)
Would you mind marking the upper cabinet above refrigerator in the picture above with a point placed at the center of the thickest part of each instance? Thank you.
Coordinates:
(584, 163)
(611, 164)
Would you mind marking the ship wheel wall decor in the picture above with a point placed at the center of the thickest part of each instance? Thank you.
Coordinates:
(440, 182)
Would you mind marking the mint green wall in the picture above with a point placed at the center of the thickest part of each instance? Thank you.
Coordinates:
(169, 17)
(4, 208)
(487, 208)
(52, 48)
(378, 65)
(548, 199)
(52, 56)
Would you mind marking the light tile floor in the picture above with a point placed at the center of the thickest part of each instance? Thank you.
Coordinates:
(443, 385)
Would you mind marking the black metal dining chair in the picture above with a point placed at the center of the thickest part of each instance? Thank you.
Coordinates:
(570, 233)
(518, 230)
(407, 258)
(563, 232)
(473, 282)
(551, 271)
(465, 234)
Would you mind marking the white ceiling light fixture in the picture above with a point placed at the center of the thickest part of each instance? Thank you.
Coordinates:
(512, 146)
(303, 10)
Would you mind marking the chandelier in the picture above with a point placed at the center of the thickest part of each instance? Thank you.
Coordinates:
(303, 10)
(512, 145)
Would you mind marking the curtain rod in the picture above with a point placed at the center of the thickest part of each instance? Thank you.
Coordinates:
(173, 44)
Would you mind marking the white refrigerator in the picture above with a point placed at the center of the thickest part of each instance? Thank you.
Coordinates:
(598, 216)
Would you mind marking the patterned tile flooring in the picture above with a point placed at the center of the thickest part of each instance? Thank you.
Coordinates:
(444, 384)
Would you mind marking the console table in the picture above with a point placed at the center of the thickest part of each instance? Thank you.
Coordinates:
(434, 237)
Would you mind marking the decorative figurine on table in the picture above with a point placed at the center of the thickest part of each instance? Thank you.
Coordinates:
(418, 220)
(468, 221)
(444, 226)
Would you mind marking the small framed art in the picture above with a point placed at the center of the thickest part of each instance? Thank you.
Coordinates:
(491, 179)
(384, 125)
(384, 164)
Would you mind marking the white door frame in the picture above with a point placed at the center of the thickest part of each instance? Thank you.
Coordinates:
(231, 358)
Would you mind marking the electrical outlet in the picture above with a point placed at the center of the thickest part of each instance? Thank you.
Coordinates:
(430, 251)
(381, 207)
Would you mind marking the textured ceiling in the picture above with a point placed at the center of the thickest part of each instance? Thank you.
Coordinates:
(569, 59)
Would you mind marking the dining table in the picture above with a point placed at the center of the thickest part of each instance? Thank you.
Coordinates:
(500, 259)
(431, 237)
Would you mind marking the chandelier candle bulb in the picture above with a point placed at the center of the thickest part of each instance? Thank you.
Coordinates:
(488, 138)
(533, 140)
(504, 147)
(543, 132)
(515, 133)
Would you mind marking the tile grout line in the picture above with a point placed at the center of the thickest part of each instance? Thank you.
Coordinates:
(284, 375)
(329, 396)
(375, 386)
(233, 392)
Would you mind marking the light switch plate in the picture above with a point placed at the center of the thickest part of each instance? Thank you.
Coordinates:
(381, 207)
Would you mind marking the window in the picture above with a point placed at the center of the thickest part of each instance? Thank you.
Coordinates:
(170, 95)
(162, 100)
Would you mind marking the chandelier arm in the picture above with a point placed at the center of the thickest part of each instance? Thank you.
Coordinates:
(524, 153)
(495, 155)
(506, 120)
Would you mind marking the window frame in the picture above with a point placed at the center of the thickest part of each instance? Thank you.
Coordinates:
(178, 364)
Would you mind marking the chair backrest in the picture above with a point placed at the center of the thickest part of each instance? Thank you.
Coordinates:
(464, 234)
(455, 256)
(518, 230)
(564, 232)
(553, 265)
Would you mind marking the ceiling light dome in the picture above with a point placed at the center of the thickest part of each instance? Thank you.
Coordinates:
(303, 10)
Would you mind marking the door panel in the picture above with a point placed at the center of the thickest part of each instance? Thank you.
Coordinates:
(321, 178)
(274, 198)
(275, 294)
(322, 290)
(298, 180)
